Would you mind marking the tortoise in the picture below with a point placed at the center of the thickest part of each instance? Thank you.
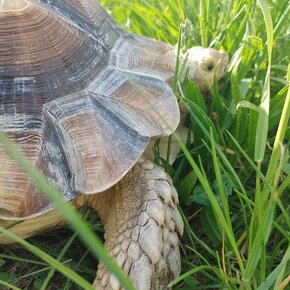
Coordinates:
(81, 99)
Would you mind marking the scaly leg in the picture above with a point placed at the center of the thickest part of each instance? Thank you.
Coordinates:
(141, 223)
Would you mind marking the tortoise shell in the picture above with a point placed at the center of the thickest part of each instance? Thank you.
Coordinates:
(79, 96)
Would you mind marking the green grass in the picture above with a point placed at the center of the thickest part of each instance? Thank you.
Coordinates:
(233, 180)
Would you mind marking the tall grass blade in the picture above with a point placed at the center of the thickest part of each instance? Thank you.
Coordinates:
(216, 207)
(262, 126)
(280, 133)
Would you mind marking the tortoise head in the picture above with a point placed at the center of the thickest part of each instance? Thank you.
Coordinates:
(205, 63)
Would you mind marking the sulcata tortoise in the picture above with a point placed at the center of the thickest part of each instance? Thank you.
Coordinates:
(81, 98)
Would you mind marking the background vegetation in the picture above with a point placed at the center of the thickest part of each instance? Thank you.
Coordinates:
(233, 179)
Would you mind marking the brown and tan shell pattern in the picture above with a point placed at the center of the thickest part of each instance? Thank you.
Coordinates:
(77, 97)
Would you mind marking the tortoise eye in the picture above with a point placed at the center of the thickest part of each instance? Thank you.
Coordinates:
(210, 67)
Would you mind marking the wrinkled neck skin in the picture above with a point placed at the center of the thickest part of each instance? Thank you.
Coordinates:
(168, 61)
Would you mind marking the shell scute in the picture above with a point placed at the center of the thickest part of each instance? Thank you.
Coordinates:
(79, 118)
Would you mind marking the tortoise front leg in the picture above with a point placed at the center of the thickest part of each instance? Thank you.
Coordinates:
(141, 223)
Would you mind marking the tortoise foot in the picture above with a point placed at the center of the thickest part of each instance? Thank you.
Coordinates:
(142, 229)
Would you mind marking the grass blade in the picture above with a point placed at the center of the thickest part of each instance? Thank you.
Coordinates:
(263, 119)
(77, 223)
(59, 258)
(50, 260)
(280, 134)
(9, 286)
(189, 273)
(269, 281)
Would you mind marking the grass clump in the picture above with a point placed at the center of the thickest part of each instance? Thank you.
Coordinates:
(233, 178)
